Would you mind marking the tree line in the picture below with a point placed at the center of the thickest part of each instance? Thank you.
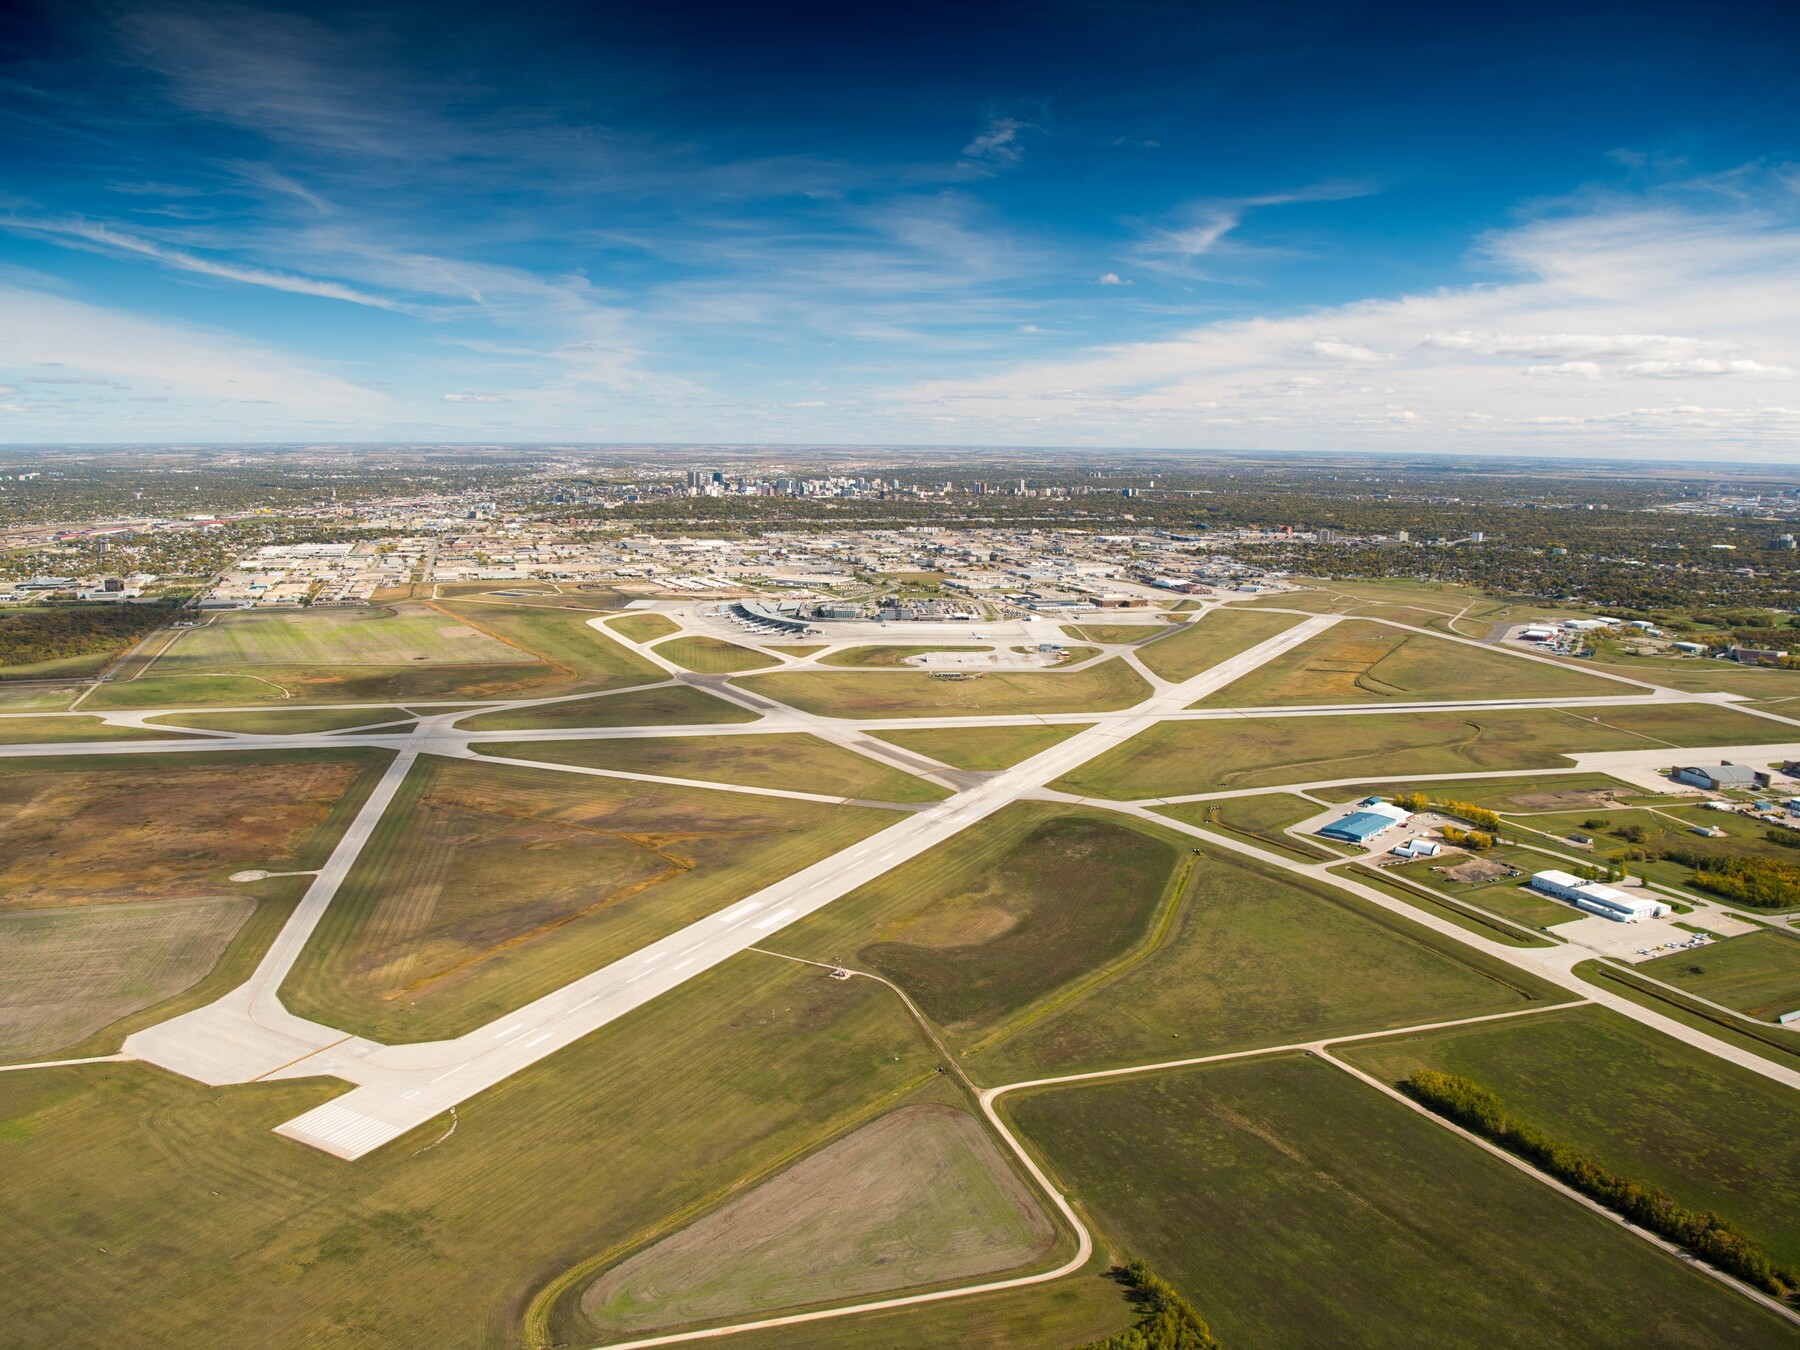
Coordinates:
(59, 632)
(1707, 1235)
(1166, 1320)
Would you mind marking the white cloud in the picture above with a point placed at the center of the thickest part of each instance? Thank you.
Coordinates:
(1336, 349)
(100, 237)
(1704, 366)
(473, 398)
(94, 345)
(1586, 306)
(1112, 279)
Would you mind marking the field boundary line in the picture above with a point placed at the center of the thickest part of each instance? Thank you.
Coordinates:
(1519, 1164)
(120, 1058)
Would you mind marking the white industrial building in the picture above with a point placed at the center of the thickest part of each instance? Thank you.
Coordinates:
(1598, 899)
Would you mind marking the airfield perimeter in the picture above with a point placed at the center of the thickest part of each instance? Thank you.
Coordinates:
(249, 1035)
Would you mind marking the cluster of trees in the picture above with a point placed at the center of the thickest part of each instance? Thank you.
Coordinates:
(56, 633)
(1475, 840)
(1761, 883)
(1704, 1233)
(1166, 1320)
(1599, 872)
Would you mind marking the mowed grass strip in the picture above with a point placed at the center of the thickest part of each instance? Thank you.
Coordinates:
(67, 972)
(1214, 755)
(1114, 634)
(1001, 915)
(888, 656)
(982, 748)
(1260, 819)
(712, 656)
(643, 627)
(1643, 1104)
(920, 1196)
(387, 636)
(1076, 1310)
(662, 706)
(75, 727)
(567, 638)
(195, 1201)
(84, 831)
(1105, 687)
(1757, 973)
(1358, 661)
(1294, 1205)
(488, 885)
(1257, 957)
(789, 761)
(1214, 637)
(285, 722)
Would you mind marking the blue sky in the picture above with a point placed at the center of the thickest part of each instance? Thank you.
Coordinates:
(1569, 229)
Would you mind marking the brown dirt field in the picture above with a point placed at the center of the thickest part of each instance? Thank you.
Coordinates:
(1475, 870)
(957, 928)
(67, 972)
(96, 835)
(919, 1196)
(1563, 801)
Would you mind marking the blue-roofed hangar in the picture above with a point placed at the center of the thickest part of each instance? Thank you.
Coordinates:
(1359, 827)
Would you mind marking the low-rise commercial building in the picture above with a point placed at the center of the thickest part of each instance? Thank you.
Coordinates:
(1597, 899)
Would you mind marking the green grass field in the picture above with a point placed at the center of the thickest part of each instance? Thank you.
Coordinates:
(1643, 1104)
(1112, 634)
(217, 1232)
(919, 1197)
(1200, 645)
(794, 762)
(1669, 826)
(1357, 661)
(564, 637)
(888, 656)
(1524, 797)
(1261, 819)
(1757, 973)
(544, 649)
(1074, 1311)
(487, 885)
(1483, 921)
(1698, 674)
(73, 727)
(668, 705)
(283, 722)
(388, 636)
(1009, 911)
(1296, 1206)
(982, 748)
(710, 656)
(67, 972)
(1259, 957)
(1176, 758)
(644, 627)
(1100, 688)
(1505, 896)
(36, 697)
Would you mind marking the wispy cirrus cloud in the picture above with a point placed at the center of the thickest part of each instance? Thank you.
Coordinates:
(100, 237)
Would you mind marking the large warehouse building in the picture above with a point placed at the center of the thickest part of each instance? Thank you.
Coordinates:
(1598, 899)
(1371, 817)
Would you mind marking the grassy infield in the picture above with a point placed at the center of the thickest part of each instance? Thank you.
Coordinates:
(1292, 1203)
